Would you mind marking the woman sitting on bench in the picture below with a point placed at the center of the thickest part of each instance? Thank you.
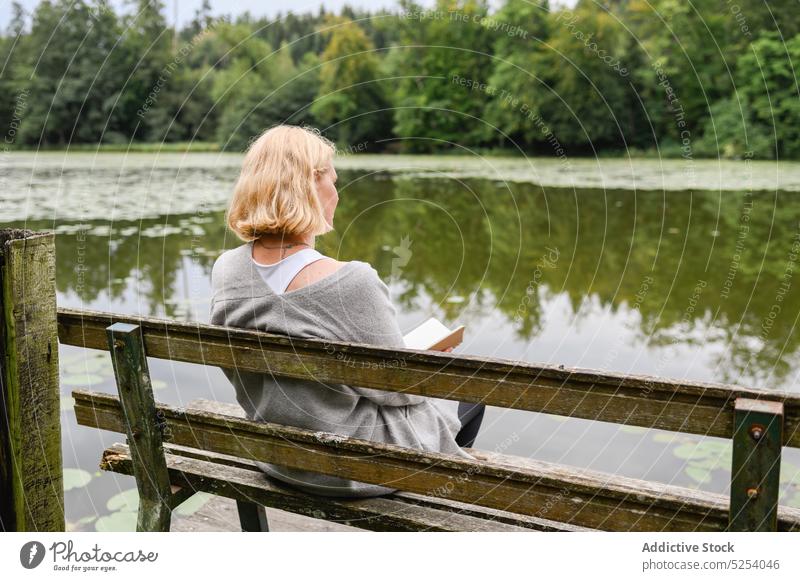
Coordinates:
(279, 283)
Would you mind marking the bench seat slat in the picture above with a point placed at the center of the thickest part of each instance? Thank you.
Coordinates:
(514, 519)
(235, 410)
(485, 455)
(377, 514)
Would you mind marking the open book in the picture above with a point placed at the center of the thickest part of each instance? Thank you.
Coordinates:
(433, 335)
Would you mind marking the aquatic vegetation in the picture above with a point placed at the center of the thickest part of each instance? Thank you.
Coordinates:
(124, 507)
(75, 478)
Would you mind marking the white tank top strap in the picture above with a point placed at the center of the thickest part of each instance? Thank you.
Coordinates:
(280, 274)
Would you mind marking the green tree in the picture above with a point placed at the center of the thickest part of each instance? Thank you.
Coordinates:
(74, 80)
(201, 22)
(13, 94)
(731, 132)
(185, 110)
(768, 85)
(519, 61)
(351, 103)
(686, 54)
(259, 87)
(433, 110)
(584, 94)
(759, 17)
(148, 46)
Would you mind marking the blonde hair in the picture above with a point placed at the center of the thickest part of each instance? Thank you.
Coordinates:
(276, 191)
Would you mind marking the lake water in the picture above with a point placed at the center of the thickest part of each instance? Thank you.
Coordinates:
(676, 268)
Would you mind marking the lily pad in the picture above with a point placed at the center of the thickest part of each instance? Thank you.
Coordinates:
(78, 524)
(158, 384)
(120, 521)
(668, 438)
(82, 379)
(71, 358)
(701, 451)
(698, 474)
(790, 474)
(685, 451)
(91, 365)
(128, 500)
(720, 449)
(712, 464)
(75, 478)
(193, 504)
(633, 429)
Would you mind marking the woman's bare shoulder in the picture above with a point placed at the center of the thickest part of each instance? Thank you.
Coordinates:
(318, 270)
(325, 266)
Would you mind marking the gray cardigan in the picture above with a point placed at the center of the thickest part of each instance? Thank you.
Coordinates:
(351, 305)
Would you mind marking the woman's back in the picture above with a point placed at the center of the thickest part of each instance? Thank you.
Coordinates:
(349, 305)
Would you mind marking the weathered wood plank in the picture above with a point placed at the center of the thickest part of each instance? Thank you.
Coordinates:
(31, 474)
(699, 408)
(219, 514)
(140, 424)
(541, 524)
(561, 494)
(756, 466)
(376, 514)
(217, 407)
(518, 520)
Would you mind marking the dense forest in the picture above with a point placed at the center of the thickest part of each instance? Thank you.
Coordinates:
(654, 77)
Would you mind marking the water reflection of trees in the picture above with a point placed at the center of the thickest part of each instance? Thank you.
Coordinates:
(482, 241)
(671, 258)
(98, 259)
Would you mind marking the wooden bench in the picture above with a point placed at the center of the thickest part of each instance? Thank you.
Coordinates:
(210, 447)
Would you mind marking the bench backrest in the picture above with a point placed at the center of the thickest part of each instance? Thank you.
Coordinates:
(759, 422)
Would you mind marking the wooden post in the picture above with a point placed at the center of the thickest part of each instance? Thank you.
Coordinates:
(142, 426)
(756, 465)
(31, 474)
